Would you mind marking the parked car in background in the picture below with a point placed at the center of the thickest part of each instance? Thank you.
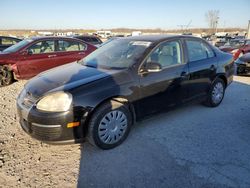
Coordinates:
(124, 81)
(236, 47)
(243, 64)
(6, 42)
(245, 48)
(89, 38)
(108, 41)
(222, 40)
(34, 55)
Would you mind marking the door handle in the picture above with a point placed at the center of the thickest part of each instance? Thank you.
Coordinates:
(184, 75)
(50, 56)
(81, 53)
(212, 68)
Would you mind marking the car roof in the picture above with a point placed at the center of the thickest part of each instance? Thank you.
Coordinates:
(10, 37)
(90, 36)
(51, 37)
(157, 38)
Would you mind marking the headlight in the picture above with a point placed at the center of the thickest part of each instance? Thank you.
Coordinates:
(55, 102)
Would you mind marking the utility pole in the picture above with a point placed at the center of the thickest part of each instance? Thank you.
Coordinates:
(216, 24)
(248, 30)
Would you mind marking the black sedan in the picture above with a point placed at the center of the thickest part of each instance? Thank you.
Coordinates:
(94, 40)
(6, 42)
(243, 64)
(101, 96)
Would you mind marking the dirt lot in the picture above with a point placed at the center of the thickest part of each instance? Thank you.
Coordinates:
(25, 162)
(193, 146)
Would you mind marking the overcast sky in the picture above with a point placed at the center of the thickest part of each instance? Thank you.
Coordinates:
(98, 14)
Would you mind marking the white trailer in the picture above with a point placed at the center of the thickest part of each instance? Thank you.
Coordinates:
(104, 34)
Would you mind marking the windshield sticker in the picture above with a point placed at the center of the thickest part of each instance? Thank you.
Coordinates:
(141, 43)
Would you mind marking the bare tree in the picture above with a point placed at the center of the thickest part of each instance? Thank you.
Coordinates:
(212, 18)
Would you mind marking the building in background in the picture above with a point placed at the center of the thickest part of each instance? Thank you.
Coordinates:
(45, 33)
(104, 34)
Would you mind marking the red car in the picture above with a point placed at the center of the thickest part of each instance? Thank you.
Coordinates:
(236, 47)
(34, 55)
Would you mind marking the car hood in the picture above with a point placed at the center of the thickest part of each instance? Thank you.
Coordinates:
(65, 78)
(227, 48)
(245, 58)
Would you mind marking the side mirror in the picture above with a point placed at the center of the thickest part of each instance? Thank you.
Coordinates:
(152, 67)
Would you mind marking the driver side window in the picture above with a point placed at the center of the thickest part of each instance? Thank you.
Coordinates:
(42, 47)
(167, 54)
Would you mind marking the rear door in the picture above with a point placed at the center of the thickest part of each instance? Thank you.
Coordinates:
(69, 51)
(40, 57)
(163, 89)
(202, 63)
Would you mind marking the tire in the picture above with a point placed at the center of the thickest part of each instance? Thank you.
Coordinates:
(6, 76)
(216, 93)
(110, 125)
(240, 71)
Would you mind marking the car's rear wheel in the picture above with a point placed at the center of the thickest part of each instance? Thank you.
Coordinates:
(6, 76)
(216, 93)
(109, 125)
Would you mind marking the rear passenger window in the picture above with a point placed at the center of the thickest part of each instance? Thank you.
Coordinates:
(82, 46)
(198, 50)
(69, 46)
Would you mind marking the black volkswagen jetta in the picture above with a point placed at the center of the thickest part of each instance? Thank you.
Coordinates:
(101, 96)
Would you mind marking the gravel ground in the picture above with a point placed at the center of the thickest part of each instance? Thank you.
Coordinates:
(192, 146)
(25, 162)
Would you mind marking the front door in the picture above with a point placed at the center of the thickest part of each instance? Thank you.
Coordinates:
(40, 57)
(163, 89)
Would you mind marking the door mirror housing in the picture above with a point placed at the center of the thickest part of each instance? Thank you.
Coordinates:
(153, 67)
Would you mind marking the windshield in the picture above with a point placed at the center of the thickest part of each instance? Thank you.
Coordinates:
(17, 46)
(117, 54)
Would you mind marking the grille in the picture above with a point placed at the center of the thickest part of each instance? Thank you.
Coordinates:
(45, 133)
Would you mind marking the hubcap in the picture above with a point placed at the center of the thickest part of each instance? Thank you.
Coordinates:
(112, 127)
(217, 93)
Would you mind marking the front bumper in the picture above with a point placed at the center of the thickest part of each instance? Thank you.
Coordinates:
(243, 68)
(51, 127)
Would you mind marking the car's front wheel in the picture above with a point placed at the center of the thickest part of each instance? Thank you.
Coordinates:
(109, 125)
(216, 93)
(6, 76)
